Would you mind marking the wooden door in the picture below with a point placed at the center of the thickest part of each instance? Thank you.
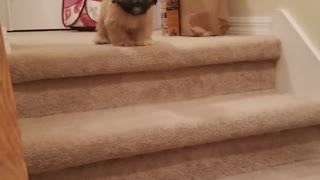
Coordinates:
(12, 165)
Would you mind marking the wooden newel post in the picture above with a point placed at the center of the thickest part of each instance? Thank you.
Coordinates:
(12, 165)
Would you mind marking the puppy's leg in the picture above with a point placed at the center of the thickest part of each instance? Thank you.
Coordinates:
(143, 34)
(118, 35)
(102, 36)
(102, 33)
(143, 37)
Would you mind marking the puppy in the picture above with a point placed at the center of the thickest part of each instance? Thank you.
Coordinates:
(125, 22)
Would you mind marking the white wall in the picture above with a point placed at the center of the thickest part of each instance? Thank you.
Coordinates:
(245, 8)
(298, 70)
(3, 12)
(35, 14)
(307, 14)
(157, 16)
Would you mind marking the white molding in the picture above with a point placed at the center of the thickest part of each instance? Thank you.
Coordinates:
(298, 69)
(250, 26)
(302, 33)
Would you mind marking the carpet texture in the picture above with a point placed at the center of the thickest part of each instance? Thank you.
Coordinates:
(205, 162)
(306, 170)
(183, 108)
(65, 95)
(61, 141)
(50, 61)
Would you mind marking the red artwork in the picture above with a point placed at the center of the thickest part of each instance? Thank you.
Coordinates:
(80, 14)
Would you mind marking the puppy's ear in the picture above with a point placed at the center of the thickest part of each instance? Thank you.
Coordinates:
(155, 1)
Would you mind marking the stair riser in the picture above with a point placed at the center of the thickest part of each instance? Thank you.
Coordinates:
(47, 97)
(204, 162)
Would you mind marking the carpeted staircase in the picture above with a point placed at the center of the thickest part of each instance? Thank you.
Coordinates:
(184, 108)
(306, 170)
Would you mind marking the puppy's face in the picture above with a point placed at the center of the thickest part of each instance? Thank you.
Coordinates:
(135, 7)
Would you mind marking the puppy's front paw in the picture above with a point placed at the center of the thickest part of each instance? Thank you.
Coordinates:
(124, 43)
(146, 42)
(101, 40)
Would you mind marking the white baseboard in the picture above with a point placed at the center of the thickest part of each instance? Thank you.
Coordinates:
(250, 26)
(6, 39)
(298, 71)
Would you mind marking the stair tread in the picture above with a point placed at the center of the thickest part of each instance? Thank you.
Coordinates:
(45, 60)
(66, 140)
(305, 170)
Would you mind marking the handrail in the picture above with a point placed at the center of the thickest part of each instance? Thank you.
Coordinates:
(12, 165)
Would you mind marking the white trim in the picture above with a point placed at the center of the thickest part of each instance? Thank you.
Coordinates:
(250, 26)
(301, 32)
(298, 69)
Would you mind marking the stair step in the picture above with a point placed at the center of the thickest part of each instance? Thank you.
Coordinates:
(306, 170)
(49, 97)
(67, 140)
(38, 61)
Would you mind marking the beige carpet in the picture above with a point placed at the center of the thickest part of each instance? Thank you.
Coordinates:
(64, 72)
(43, 59)
(67, 140)
(184, 108)
(65, 95)
(306, 170)
(203, 162)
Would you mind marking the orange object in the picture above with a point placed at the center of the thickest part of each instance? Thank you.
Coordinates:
(170, 17)
(204, 17)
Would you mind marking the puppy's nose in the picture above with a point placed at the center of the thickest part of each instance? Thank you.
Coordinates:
(137, 10)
